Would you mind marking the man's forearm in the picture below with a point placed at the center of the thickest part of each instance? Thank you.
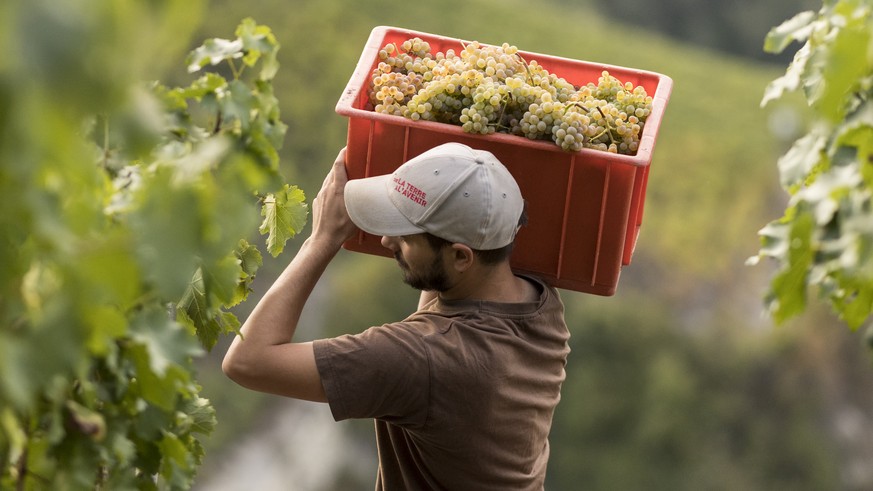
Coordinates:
(274, 320)
(265, 346)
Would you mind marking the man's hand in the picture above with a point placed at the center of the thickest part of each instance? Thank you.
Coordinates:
(330, 220)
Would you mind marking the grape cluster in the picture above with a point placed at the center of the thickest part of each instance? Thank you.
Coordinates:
(487, 89)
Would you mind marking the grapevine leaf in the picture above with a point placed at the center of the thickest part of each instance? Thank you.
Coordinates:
(200, 307)
(236, 103)
(792, 79)
(796, 28)
(788, 287)
(208, 84)
(122, 447)
(194, 311)
(250, 258)
(857, 132)
(166, 342)
(845, 66)
(855, 308)
(221, 279)
(796, 164)
(260, 145)
(107, 325)
(774, 240)
(250, 261)
(210, 327)
(822, 196)
(284, 215)
(176, 461)
(202, 415)
(157, 390)
(193, 303)
(214, 51)
(167, 226)
(259, 41)
(110, 271)
(172, 99)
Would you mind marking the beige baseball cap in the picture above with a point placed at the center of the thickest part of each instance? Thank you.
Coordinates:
(451, 191)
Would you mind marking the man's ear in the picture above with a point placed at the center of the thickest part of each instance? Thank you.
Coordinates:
(462, 257)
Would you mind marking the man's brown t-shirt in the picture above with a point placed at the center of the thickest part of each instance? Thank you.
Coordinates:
(463, 392)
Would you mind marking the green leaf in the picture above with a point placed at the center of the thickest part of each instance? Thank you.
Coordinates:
(855, 308)
(107, 268)
(211, 326)
(793, 78)
(108, 324)
(202, 415)
(250, 261)
(250, 258)
(844, 67)
(236, 104)
(167, 224)
(157, 390)
(822, 198)
(214, 51)
(284, 216)
(221, 279)
(262, 148)
(774, 240)
(167, 343)
(259, 41)
(208, 84)
(223, 322)
(797, 28)
(857, 132)
(201, 306)
(177, 463)
(194, 304)
(796, 165)
(788, 287)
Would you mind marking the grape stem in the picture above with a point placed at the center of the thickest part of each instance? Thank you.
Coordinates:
(526, 68)
(217, 127)
(237, 72)
(607, 128)
(504, 103)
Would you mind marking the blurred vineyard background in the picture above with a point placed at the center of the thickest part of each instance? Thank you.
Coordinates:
(679, 381)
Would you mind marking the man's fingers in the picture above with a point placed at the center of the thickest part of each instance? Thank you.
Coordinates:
(341, 158)
(339, 166)
(337, 172)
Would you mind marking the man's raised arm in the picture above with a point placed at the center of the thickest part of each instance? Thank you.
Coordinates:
(265, 358)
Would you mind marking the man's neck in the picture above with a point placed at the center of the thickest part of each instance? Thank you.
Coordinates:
(491, 283)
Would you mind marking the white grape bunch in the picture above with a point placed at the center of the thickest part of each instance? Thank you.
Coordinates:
(489, 89)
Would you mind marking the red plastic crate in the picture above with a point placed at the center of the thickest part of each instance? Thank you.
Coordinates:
(585, 208)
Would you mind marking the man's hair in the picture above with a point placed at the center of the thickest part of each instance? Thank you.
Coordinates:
(488, 257)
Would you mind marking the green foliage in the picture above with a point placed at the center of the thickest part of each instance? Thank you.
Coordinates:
(825, 240)
(123, 239)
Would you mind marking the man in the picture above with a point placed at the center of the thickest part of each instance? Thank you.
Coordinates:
(463, 390)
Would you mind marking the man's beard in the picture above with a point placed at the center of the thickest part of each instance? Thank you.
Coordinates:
(434, 278)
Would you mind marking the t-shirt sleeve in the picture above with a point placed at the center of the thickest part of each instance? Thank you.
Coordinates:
(381, 373)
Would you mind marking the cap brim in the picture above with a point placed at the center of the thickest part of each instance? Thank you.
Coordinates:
(370, 208)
